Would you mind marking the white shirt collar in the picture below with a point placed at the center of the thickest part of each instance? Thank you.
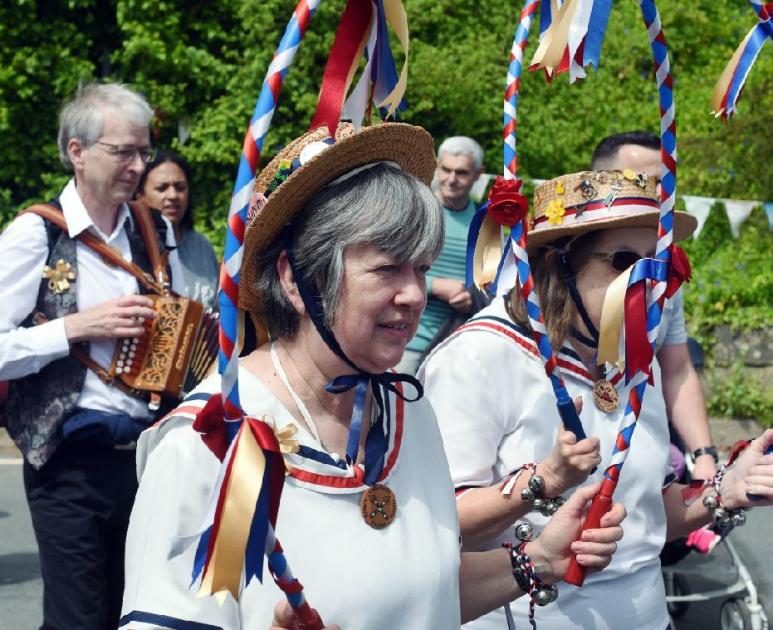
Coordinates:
(78, 218)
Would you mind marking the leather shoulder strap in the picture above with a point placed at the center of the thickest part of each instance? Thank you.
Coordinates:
(143, 216)
(109, 254)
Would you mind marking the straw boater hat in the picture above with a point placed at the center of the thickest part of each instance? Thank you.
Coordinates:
(309, 163)
(571, 205)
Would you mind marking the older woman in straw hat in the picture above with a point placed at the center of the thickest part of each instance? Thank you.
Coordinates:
(588, 229)
(342, 231)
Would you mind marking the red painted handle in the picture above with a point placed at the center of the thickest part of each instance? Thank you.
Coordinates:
(308, 618)
(601, 504)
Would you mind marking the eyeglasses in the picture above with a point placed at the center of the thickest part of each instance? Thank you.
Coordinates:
(126, 154)
(620, 260)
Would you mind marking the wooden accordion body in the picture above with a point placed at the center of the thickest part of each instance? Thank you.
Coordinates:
(176, 352)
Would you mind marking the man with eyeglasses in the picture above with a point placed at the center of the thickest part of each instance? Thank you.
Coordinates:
(76, 431)
(639, 151)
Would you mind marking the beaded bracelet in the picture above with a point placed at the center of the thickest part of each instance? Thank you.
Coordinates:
(534, 492)
(540, 593)
(721, 516)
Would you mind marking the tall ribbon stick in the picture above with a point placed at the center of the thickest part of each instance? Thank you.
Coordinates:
(645, 271)
(730, 84)
(228, 360)
(507, 206)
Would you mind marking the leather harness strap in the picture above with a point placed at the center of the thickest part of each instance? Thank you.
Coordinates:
(111, 255)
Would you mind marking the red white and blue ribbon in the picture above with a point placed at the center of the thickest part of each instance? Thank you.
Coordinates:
(237, 214)
(248, 440)
(730, 85)
(650, 276)
(508, 207)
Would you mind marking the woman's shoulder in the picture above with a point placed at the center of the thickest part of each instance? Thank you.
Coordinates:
(196, 243)
(489, 337)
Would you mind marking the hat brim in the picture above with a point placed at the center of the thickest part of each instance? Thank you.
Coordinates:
(408, 146)
(684, 226)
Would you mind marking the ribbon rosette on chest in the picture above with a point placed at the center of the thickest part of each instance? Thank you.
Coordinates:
(507, 206)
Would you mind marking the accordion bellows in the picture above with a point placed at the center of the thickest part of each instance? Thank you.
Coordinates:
(176, 352)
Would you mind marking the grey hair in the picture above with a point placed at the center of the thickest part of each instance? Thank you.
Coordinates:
(83, 116)
(462, 145)
(382, 206)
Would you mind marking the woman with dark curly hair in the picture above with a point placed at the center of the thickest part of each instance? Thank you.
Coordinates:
(166, 186)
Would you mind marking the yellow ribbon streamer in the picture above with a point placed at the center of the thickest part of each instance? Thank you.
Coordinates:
(488, 251)
(555, 40)
(398, 20)
(244, 484)
(612, 322)
(723, 83)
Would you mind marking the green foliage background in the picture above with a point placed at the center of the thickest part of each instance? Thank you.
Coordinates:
(201, 65)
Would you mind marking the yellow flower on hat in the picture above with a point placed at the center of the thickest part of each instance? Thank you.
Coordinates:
(560, 188)
(555, 212)
(629, 174)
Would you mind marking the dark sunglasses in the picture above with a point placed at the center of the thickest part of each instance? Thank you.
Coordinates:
(620, 260)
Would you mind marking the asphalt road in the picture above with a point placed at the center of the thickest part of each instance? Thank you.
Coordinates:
(21, 586)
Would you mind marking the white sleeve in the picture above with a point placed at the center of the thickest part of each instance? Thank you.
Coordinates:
(676, 331)
(469, 402)
(172, 500)
(24, 251)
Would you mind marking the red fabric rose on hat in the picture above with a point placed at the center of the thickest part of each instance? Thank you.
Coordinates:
(506, 205)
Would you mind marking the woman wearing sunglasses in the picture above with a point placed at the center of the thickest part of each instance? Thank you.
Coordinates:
(502, 433)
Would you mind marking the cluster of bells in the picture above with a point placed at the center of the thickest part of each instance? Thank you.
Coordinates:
(543, 594)
(722, 516)
(534, 493)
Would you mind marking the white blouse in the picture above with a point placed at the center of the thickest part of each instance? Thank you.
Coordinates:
(496, 411)
(403, 576)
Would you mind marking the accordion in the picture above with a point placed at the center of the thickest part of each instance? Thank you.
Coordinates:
(175, 353)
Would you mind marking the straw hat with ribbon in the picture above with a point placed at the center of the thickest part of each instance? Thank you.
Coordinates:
(311, 162)
(583, 202)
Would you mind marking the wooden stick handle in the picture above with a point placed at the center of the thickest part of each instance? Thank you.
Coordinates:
(601, 504)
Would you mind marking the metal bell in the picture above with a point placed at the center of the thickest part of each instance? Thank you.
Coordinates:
(710, 502)
(738, 518)
(539, 504)
(537, 484)
(720, 514)
(550, 508)
(527, 495)
(545, 595)
(524, 531)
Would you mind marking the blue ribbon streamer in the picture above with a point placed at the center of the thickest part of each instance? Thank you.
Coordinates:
(597, 26)
(384, 72)
(256, 540)
(545, 16)
(760, 34)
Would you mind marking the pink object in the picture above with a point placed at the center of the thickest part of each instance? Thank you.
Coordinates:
(703, 539)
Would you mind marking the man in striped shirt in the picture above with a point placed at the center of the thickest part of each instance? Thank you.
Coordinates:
(460, 162)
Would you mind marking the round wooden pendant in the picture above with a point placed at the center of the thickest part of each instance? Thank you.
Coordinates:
(378, 506)
(605, 396)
